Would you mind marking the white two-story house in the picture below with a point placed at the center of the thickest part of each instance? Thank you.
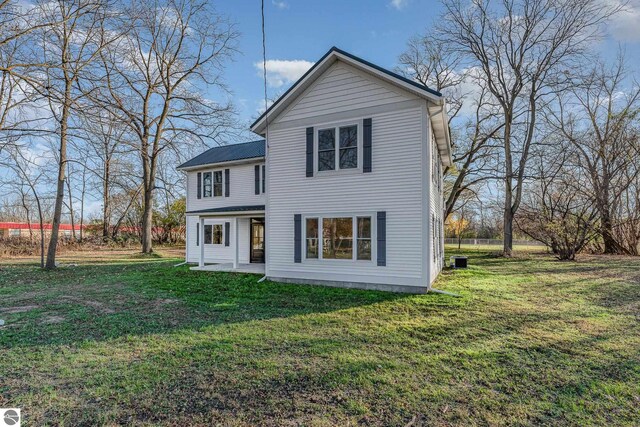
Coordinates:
(345, 189)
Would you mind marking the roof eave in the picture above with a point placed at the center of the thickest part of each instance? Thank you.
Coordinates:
(227, 163)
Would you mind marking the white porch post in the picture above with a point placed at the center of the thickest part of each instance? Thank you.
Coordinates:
(201, 237)
(236, 250)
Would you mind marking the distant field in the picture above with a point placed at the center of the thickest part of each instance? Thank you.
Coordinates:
(495, 248)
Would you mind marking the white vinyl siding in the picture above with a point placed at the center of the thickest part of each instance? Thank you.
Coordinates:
(343, 88)
(218, 253)
(241, 192)
(394, 186)
(436, 235)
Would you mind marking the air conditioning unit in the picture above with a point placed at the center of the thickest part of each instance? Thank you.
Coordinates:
(458, 261)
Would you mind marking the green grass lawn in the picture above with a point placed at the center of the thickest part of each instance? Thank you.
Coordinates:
(531, 341)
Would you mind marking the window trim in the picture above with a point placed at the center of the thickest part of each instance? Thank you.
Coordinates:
(358, 123)
(204, 233)
(213, 192)
(354, 253)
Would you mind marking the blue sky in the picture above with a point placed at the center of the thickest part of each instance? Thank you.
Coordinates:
(303, 30)
(299, 32)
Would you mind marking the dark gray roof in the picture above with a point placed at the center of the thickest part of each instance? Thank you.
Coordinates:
(227, 153)
(246, 208)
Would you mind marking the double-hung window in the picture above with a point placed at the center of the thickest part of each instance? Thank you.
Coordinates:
(212, 184)
(338, 148)
(340, 237)
(213, 234)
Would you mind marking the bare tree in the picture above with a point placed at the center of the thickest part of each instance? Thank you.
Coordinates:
(69, 48)
(599, 118)
(155, 80)
(429, 61)
(522, 49)
(28, 174)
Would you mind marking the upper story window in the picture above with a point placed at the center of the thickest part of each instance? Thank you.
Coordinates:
(212, 184)
(340, 154)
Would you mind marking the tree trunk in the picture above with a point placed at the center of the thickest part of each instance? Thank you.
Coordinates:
(71, 213)
(147, 206)
(57, 213)
(147, 217)
(105, 201)
(507, 248)
(508, 230)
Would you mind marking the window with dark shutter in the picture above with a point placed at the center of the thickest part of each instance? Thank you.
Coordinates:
(197, 234)
(227, 183)
(227, 232)
(297, 238)
(309, 152)
(264, 179)
(199, 176)
(257, 179)
(382, 238)
(366, 145)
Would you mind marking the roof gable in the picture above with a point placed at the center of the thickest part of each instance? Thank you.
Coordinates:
(319, 68)
(342, 88)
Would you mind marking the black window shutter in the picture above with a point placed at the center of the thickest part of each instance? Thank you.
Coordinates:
(197, 234)
(227, 232)
(199, 185)
(297, 238)
(227, 184)
(264, 178)
(366, 145)
(382, 238)
(257, 179)
(309, 152)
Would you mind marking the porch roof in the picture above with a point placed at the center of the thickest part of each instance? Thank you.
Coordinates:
(230, 209)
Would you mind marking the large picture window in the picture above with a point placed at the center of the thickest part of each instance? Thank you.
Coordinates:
(342, 154)
(339, 238)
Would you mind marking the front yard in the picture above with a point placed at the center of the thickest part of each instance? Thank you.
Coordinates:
(136, 341)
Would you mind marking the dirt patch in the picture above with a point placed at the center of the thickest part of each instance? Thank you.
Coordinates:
(18, 309)
(97, 305)
(52, 319)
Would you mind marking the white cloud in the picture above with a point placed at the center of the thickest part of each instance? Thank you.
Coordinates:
(398, 4)
(280, 4)
(625, 25)
(281, 72)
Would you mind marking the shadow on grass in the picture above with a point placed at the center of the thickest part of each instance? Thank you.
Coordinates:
(102, 302)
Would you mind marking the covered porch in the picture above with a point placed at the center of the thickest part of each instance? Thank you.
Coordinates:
(229, 239)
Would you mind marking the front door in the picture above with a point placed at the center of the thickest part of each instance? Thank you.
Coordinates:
(257, 240)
